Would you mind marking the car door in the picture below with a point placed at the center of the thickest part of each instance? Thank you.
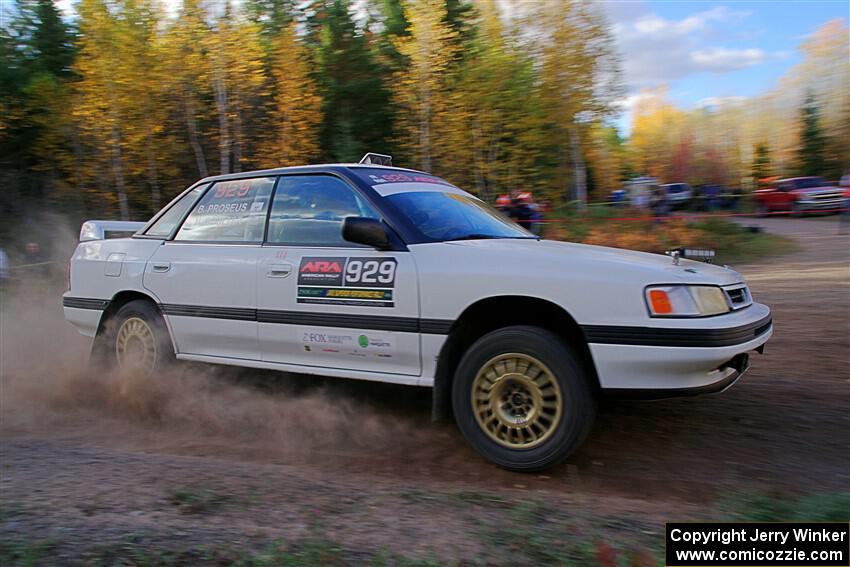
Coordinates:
(206, 276)
(785, 196)
(324, 302)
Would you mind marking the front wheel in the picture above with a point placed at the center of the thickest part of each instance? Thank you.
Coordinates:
(135, 340)
(522, 399)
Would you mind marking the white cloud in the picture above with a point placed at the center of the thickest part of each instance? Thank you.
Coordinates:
(715, 101)
(657, 50)
(722, 59)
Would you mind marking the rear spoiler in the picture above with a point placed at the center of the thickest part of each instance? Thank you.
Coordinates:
(101, 229)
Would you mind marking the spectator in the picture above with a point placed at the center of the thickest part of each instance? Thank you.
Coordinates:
(5, 273)
(34, 260)
(520, 211)
(659, 203)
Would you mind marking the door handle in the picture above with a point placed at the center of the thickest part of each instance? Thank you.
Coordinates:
(279, 270)
(161, 267)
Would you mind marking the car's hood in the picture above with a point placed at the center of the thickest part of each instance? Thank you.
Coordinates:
(825, 190)
(656, 268)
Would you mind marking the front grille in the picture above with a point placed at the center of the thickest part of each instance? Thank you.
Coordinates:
(738, 296)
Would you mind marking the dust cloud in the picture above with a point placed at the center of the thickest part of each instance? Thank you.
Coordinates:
(48, 389)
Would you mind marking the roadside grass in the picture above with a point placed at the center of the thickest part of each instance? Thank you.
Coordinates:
(810, 508)
(199, 500)
(736, 244)
(510, 529)
(25, 553)
(9, 510)
(601, 225)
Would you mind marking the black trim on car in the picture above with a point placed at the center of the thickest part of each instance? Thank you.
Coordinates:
(342, 320)
(596, 334)
(346, 320)
(231, 313)
(85, 303)
(653, 336)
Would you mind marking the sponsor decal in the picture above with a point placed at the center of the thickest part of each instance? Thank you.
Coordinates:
(381, 177)
(347, 281)
(361, 345)
(220, 208)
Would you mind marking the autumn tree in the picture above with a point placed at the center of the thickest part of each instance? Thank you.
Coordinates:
(234, 57)
(101, 100)
(185, 59)
(295, 112)
(493, 131)
(579, 80)
(421, 89)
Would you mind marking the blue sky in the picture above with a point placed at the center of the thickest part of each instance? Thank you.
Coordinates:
(706, 51)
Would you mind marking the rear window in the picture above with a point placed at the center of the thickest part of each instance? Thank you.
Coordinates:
(165, 225)
(231, 211)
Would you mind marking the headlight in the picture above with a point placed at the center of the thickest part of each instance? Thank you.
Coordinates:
(686, 301)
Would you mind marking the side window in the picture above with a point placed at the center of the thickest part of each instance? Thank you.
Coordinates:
(308, 211)
(231, 211)
(166, 223)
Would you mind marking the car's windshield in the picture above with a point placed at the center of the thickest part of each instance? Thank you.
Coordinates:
(443, 216)
(809, 182)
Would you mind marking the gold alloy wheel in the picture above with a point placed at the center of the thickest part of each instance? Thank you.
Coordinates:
(135, 346)
(516, 400)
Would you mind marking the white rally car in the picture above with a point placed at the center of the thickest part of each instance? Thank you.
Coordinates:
(379, 273)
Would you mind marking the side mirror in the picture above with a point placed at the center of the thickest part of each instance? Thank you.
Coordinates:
(365, 230)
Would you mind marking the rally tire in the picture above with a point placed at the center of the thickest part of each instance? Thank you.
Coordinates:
(762, 210)
(522, 398)
(134, 339)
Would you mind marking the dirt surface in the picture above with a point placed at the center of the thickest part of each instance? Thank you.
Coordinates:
(232, 458)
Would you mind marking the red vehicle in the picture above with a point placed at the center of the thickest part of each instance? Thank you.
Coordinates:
(799, 195)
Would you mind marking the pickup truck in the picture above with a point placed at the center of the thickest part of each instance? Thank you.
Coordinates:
(372, 272)
(798, 195)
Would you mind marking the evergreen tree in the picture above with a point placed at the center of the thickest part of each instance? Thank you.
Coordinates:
(52, 40)
(811, 159)
(761, 162)
(355, 104)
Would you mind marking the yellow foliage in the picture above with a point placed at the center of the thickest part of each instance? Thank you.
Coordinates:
(296, 110)
(420, 90)
(647, 236)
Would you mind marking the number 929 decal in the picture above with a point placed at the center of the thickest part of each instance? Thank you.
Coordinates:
(347, 281)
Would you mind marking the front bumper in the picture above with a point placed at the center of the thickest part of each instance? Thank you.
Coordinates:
(681, 361)
(820, 205)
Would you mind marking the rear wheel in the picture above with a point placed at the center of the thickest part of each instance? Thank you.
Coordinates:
(522, 399)
(761, 210)
(135, 340)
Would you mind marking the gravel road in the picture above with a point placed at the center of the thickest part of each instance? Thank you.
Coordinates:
(228, 457)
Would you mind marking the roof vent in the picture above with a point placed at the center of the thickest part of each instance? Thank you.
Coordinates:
(377, 159)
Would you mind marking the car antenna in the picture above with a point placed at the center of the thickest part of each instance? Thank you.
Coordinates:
(376, 159)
